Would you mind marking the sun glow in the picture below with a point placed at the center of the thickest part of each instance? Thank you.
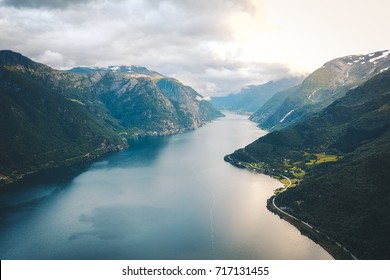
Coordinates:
(302, 34)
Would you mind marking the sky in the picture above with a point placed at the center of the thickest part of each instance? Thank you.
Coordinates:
(215, 46)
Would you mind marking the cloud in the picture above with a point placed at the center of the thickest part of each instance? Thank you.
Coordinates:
(178, 38)
(223, 77)
(206, 98)
(51, 58)
(50, 4)
(216, 46)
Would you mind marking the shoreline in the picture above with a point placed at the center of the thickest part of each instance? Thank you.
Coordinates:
(18, 175)
(335, 249)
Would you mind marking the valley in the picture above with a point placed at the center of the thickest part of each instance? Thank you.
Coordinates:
(327, 145)
(165, 197)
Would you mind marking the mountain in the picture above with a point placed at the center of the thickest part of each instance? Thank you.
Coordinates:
(338, 162)
(251, 98)
(148, 101)
(320, 89)
(51, 118)
(134, 70)
(266, 114)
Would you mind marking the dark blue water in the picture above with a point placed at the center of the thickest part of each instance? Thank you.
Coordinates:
(164, 198)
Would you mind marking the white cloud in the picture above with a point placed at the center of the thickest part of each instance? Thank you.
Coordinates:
(51, 58)
(205, 98)
(216, 46)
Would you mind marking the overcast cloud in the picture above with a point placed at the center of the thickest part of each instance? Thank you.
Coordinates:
(215, 46)
(51, 4)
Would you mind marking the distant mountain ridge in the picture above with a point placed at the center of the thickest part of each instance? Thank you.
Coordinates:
(320, 89)
(51, 118)
(133, 70)
(251, 98)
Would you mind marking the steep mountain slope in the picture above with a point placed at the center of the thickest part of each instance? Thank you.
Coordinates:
(41, 128)
(50, 118)
(148, 101)
(321, 88)
(340, 160)
(251, 98)
(267, 113)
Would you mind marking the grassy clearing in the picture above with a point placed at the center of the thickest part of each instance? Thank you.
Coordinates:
(300, 175)
(285, 182)
(257, 164)
(322, 157)
(297, 170)
(311, 162)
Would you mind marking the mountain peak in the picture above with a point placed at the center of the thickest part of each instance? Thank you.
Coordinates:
(322, 87)
(371, 59)
(8, 57)
(132, 70)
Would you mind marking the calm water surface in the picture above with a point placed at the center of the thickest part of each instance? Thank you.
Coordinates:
(164, 198)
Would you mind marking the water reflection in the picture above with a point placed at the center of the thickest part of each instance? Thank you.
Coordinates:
(164, 198)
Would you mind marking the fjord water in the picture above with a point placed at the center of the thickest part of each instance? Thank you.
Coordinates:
(167, 197)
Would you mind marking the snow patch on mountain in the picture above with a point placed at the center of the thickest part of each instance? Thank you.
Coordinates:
(383, 55)
(289, 113)
(312, 94)
(384, 69)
